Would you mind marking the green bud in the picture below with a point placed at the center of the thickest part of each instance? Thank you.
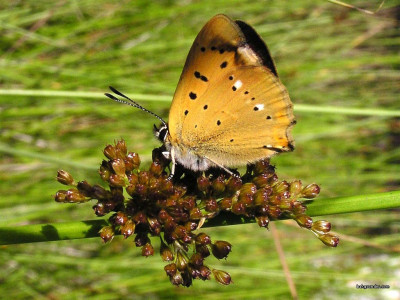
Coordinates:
(304, 221)
(295, 188)
(329, 239)
(321, 226)
(181, 260)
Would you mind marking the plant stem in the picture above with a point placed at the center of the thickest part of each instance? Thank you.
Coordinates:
(87, 229)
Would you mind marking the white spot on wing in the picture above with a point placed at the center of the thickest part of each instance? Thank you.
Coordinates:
(260, 106)
(238, 84)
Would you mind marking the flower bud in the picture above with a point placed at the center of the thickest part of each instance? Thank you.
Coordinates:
(203, 183)
(239, 208)
(181, 260)
(155, 226)
(99, 192)
(310, 191)
(118, 166)
(218, 185)
(156, 168)
(273, 212)
(261, 196)
(196, 260)
(298, 208)
(109, 152)
(99, 209)
(262, 179)
(221, 249)
(203, 250)
(225, 204)
(187, 278)
(329, 239)
(321, 226)
(211, 205)
(170, 269)
(128, 228)
(147, 250)
(281, 187)
(107, 233)
(64, 177)
(74, 196)
(222, 277)
(190, 226)
(133, 160)
(304, 221)
(119, 218)
(85, 188)
(205, 272)
(234, 184)
(203, 239)
(104, 171)
(176, 279)
(295, 188)
(120, 148)
(60, 196)
(116, 180)
(195, 214)
(144, 177)
(166, 253)
(262, 221)
(188, 202)
(261, 166)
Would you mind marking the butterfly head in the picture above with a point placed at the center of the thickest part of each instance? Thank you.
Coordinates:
(161, 132)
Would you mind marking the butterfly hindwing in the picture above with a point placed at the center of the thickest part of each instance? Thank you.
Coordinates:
(229, 105)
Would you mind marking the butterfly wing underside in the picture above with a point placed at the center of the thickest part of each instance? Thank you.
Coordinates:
(230, 106)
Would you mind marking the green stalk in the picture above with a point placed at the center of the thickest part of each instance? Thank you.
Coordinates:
(88, 229)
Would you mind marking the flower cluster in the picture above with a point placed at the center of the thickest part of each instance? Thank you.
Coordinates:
(145, 203)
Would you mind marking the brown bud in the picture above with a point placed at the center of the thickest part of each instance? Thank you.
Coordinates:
(140, 218)
(176, 279)
(147, 250)
(99, 209)
(188, 202)
(203, 239)
(321, 226)
(196, 260)
(225, 204)
(221, 249)
(170, 269)
(119, 218)
(298, 208)
(144, 177)
(74, 196)
(64, 177)
(163, 215)
(205, 272)
(190, 226)
(109, 152)
(239, 208)
(107, 233)
(248, 188)
(116, 180)
(281, 187)
(155, 226)
(156, 168)
(274, 212)
(195, 214)
(304, 221)
(262, 221)
(329, 239)
(140, 189)
(261, 196)
(99, 192)
(310, 191)
(211, 205)
(128, 228)
(222, 277)
(234, 184)
(187, 278)
(203, 250)
(85, 188)
(218, 184)
(165, 252)
(261, 166)
(120, 148)
(133, 160)
(118, 166)
(60, 196)
(203, 183)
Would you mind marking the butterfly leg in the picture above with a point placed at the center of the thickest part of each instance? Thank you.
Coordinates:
(223, 168)
(171, 155)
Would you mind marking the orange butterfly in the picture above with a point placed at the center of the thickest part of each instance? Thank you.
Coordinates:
(230, 108)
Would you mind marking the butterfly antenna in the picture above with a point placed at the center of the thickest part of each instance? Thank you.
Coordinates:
(131, 103)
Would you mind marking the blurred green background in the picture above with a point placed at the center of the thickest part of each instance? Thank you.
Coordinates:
(326, 55)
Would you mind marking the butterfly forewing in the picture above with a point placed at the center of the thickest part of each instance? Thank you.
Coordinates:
(229, 105)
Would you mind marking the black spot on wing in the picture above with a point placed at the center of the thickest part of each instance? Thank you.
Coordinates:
(203, 49)
(192, 95)
(224, 64)
(268, 117)
(205, 107)
(218, 122)
(186, 112)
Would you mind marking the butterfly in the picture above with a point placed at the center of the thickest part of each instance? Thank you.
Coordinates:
(229, 108)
